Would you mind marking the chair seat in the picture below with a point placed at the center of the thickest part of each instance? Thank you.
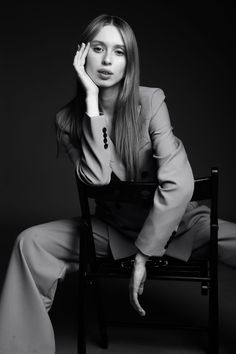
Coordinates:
(158, 268)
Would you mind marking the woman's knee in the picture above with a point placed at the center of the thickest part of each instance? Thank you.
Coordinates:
(227, 242)
(28, 242)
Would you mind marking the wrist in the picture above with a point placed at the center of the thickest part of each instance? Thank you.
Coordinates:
(92, 96)
(141, 257)
(92, 105)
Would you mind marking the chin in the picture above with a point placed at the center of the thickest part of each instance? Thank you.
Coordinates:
(105, 84)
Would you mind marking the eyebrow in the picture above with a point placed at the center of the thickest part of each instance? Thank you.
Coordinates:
(103, 43)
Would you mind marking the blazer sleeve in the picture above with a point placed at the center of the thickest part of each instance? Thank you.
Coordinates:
(94, 167)
(92, 159)
(175, 182)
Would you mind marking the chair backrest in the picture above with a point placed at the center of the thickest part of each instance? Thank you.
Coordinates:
(204, 189)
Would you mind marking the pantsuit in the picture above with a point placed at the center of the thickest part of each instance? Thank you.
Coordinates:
(43, 254)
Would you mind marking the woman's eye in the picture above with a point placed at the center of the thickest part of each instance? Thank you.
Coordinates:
(120, 52)
(97, 49)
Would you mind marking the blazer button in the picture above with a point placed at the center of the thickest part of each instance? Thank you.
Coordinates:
(105, 146)
(104, 130)
(104, 135)
(105, 140)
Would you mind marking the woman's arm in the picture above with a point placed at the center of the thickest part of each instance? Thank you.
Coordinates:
(174, 191)
(92, 161)
(94, 165)
(175, 183)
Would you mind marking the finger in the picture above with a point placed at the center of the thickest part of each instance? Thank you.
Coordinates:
(80, 50)
(85, 52)
(75, 58)
(87, 48)
(137, 305)
(138, 282)
(135, 285)
(76, 61)
(141, 288)
(134, 301)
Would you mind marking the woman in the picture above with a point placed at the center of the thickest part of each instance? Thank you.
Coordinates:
(112, 129)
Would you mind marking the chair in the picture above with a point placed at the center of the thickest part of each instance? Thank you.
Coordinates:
(91, 269)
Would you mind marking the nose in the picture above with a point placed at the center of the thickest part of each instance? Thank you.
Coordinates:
(107, 59)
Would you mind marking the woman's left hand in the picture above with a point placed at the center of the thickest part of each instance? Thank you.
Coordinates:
(137, 281)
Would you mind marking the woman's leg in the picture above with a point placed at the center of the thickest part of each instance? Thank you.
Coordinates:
(41, 256)
(226, 240)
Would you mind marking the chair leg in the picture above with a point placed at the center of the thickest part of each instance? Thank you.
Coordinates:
(81, 336)
(100, 314)
(213, 319)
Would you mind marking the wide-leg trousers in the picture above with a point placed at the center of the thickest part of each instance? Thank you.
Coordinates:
(42, 255)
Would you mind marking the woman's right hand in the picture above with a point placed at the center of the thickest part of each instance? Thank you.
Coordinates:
(79, 63)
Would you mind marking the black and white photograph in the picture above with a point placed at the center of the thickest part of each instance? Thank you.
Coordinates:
(118, 219)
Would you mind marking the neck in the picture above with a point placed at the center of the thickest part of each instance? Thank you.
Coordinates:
(107, 99)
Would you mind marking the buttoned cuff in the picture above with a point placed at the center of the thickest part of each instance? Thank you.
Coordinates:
(100, 114)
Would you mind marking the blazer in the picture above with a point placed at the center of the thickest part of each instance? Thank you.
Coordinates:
(162, 158)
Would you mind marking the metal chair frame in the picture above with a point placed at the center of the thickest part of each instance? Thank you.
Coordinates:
(204, 271)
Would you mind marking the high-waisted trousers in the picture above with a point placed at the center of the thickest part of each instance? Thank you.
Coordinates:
(42, 255)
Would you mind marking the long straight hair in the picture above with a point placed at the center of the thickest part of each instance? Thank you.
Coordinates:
(126, 122)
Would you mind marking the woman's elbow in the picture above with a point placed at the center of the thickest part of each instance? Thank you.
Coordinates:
(186, 186)
(89, 177)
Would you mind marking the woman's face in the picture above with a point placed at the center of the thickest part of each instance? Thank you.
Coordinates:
(106, 59)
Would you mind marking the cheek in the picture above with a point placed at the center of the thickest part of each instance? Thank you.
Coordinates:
(122, 68)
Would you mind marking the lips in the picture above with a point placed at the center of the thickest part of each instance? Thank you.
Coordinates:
(105, 72)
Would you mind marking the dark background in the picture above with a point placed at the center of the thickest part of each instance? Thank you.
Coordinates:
(185, 49)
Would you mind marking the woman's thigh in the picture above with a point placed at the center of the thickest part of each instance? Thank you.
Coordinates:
(61, 238)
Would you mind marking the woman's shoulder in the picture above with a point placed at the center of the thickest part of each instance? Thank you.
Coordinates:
(149, 91)
(151, 97)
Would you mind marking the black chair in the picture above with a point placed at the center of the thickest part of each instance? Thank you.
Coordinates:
(91, 269)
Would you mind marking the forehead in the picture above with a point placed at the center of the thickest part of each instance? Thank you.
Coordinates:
(109, 34)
